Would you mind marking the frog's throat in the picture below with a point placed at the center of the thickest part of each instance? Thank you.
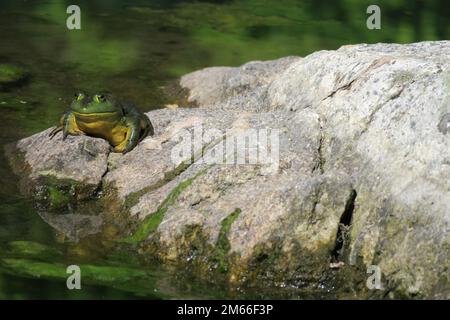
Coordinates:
(106, 125)
(97, 116)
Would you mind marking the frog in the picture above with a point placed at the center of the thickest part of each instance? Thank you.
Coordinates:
(123, 125)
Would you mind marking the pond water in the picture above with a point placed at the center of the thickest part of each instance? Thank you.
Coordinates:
(132, 49)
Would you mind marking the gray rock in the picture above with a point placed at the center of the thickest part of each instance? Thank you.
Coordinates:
(361, 177)
(77, 161)
(243, 88)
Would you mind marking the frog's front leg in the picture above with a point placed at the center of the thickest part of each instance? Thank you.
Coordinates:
(68, 125)
(131, 137)
(60, 127)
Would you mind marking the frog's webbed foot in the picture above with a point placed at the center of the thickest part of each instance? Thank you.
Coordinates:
(72, 133)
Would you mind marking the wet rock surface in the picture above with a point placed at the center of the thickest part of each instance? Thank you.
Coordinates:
(356, 174)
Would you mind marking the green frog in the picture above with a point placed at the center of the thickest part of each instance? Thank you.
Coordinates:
(122, 125)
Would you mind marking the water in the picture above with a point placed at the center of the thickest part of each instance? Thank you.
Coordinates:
(133, 48)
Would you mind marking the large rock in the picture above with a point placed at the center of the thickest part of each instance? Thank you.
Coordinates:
(356, 174)
(57, 170)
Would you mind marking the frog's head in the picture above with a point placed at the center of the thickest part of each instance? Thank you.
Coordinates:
(97, 104)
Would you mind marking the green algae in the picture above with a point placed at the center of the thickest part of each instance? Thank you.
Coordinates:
(128, 279)
(151, 222)
(223, 244)
(57, 197)
(134, 197)
(149, 225)
(56, 193)
(35, 250)
(30, 259)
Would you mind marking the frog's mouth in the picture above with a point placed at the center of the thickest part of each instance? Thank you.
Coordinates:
(97, 116)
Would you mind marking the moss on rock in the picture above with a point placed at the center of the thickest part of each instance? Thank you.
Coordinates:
(151, 223)
(56, 193)
(223, 244)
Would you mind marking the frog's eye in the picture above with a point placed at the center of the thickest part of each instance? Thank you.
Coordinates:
(79, 96)
(99, 98)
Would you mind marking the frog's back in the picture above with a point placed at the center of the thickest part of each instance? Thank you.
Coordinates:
(131, 110)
